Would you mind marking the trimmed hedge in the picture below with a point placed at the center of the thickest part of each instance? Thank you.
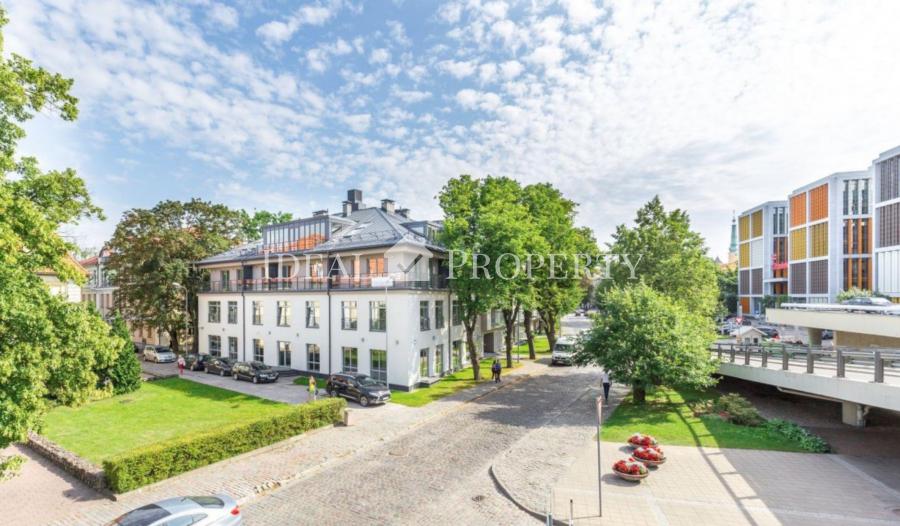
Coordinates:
(157, 462)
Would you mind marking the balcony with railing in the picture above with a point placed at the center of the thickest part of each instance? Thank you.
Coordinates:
(365, 282)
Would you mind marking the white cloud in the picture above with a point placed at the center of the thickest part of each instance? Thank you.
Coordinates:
(458, 69)
(581, 12)
(223, 15)
(379, 56)
(511, 69)
(398, 33)
(450, 12)
(277, 32)
(359, 123)
(410, 96)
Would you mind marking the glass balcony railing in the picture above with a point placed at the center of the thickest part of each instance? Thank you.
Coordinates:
(324, 283)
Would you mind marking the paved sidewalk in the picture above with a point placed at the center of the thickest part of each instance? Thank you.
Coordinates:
(728, 487)
(283, 390)
(248, 476)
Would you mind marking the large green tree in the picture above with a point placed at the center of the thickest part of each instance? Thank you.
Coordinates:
(644, 338)
(252, 225)
(727, 280)
(667, 256)
(50, 350)
(152, 253)
(568, 254)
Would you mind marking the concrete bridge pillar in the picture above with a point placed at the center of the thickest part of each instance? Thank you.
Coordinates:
(815, 337)
(853, 414)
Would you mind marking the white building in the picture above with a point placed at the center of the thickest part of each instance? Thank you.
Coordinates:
(885, 171)
(762, 259)
(361, 291)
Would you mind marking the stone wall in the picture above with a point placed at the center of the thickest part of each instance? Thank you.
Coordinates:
(80, 468)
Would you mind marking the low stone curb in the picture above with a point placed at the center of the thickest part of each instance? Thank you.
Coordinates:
(78, 467)
(526, 483)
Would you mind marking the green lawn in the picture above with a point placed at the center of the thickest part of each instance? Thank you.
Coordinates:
(541, 346)
(668, 417)
(157, 412)
(447, 386)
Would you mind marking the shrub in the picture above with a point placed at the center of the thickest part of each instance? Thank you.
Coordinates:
(801, 436)
(125, 371)
(160, 461)
(10, 466)
(739, 410)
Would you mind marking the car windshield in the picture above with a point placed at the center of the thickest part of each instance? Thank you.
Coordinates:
(368, 381)
(163, 349)
(564, 347)
(259, 366)
(142, 516)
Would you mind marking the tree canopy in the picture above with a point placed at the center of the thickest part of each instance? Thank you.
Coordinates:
(152, 253)
(251, 225)
(668, 256)
(50, 350)
(644, 338)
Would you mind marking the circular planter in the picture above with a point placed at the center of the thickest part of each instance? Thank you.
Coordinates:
(651, 462)
(630, 477)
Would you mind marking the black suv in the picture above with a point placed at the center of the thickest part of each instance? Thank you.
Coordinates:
(222, 366)
(197, 362)
(256, 372)
(364, 389)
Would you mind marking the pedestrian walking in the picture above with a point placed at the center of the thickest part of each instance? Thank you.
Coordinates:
(313, 390)
(495, 369)
(180, 365)
(606, 383)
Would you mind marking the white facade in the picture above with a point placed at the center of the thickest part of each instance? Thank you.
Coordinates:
(884, 171)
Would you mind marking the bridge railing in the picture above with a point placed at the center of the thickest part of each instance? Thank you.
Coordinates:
(879, 360)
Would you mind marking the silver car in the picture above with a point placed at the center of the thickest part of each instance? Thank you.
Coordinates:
(219, 510)
(158, 354)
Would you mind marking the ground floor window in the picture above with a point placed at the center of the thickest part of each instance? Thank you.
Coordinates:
(313, 357)
(379, 365)
(284, 354)
(457, 354)
(259, 350)
(350, 359)
(232, 347)
(423, 362)
(439, 360)
(215, 345)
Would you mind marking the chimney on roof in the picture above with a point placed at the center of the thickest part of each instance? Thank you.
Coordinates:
(318, 213)
(403, 212)
(387, 205)
(348, 207)
(355, 197)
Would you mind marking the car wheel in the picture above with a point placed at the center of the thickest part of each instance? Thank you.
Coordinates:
(255, 380)
(234, 377)
(364, 401)
(222, 373)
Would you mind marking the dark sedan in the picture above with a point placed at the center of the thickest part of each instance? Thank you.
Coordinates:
(256, 372)
(197, 362)
(220, 366)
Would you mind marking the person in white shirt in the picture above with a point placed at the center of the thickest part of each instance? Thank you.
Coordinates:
(606, 383)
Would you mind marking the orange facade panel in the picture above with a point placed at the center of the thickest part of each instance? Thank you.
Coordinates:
(818, 240)
(756, 224)
(744, 256)
(744, 228)
(745, 305)
(798, 209)
(818, 203)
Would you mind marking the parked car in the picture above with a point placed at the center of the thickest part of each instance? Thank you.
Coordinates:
(218, 510)
(364, 389)
(256, 372)
(871, 301)
(563, 351)
(158, 354)
(219, 365)
(827, 335)
(770, 332)
(197, 362)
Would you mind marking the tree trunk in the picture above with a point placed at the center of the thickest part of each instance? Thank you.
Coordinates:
(638, 394)
(473, 352)
(509, 320)
(549, 328)
(529, 335)
(173, 340)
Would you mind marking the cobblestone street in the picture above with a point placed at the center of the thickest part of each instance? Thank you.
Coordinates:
(439, 473)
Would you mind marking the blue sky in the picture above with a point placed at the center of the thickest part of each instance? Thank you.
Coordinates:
(714, 106)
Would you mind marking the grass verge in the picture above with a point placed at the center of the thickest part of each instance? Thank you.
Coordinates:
(448, 385)
(668, 416)
(158, 412)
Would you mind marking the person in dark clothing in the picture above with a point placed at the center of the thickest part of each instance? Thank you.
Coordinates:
(495, 370)
(606, 383)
